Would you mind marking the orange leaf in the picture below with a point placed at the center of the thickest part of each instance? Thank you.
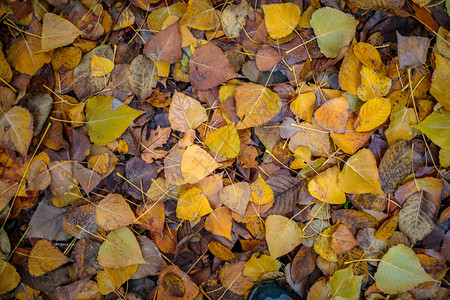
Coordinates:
(219, 222)
(113, 212)
(333, 115)
(44, 257)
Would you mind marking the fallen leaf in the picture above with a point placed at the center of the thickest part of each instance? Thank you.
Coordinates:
(151, 216)
(372, 114)
(111, 279)
(232, 277)
(387, 229)
(155, 263)
(401, 126)
(100, 66)
(142, 79)
(368, 55)
(440, 83)
(165, 45)
(349, 74)
(200, 14)
(437, 128)
(286, 193)
(57, 32)
(322, 244)
(303, 106)
(157, 17)
(221, 251)
(399, 271)
(351, 141)
(26, 55)
(231, 17)
(345, 285)
(258, 265)
(196, 164)
(343, 240)
(107, 118)
(113, 212)
(337, 32)
(219, 222)
(303, 264)
(9, 277)
(16, 129)
(192, 205)
(282, 235)
(412, 51)
(312, 136)
(360, 174)
(324, 187)
(333, 115)
(209, 67)
(302, 156)
(120, 249)
(186, 113)
(175, 284)
(373, 85)
(157, 139)
(87, 178)
(224, 141)
(354, 219)
(236, 196)
(281, 18)
(44, 257)
(261, 192)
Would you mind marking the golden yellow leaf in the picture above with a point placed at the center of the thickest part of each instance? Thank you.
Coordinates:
(67, 57)
(369, 56)
(220, 251)
(387, 229)
(105, 285)
(281, 18)
(232, 278)
(76, 115)
(360, 174)
(101, 66)
(224, 141)
(440, 85)
(26, 55)
(236, 196)
(113, 212)
(350, 141)
(99, 163)
(373, 113)
(373, 85)
(192, 205)
(125, 16)
(186, 113)
(219, 222)
(155, 20)
(333, 115)
(5, 68)
(302, 156)
(57, 32)
(349, 73)
(111, 279)
(44, 257)
(324, 187)
(322, 244)
(9, 278)
(196, 164)
(303, 106)
(282, 235)
(200, 14)
(255, 105)
(16, 129)
(260, 192)
(401, 127)
(258, 265)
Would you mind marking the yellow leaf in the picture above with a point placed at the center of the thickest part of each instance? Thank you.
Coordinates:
(281, 19)
(401, 127)
(440, 85)
(373, 85)
(67, 57)
(236, 196)
(220, 251)
(162, 67)
(5, 69)
(302, 156)
(155, 20)
(261, 192)
(105, 285)
(16, 129)
(113, 212)
(114, 278)
(120, 249)
(57, 32)
(224, 141)
(9, 278)
(303, 106)
(349, 73)
(219, 222)
(26, 55)
(44, 257)
(200, 14)
(369, 56)
(325, 187)
(373, 113)
(192, 205)
(101, 66)
(322, 244)
(99, 163)
(196, 164)
(255, 105)
(350, 141)
(76, 115)
(186, 113)
(256, 266)
(282, 235)
(360, 174)
(125, 17)
(333, 115)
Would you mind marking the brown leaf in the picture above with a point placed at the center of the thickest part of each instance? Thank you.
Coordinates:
(209, 67)
(175, 284)
(354, 219)
(142, 79)
(156, 139)
(267, 57)
(412, 51)
(231, 275)
(342, 240)
(113, 212)
(87, 178)
(303, 264)
(286, 190)
(165, 45)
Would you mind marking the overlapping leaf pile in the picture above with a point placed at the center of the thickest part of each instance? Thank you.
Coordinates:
(161, 150)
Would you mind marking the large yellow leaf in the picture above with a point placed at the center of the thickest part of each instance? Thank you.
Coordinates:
(16, 129)
(224, 141)
(9, 278)
(261, 192)
(303, 106)
(333, 115)
(255, 105)
(192, 205)
(113, 212)
(401, 126)
(373, 85)
(186, 112)
(120, 249)
(259, 265)
(219, 222)
(281, 18)
(157, 17)
(45, 257)
(324, 187)
(236, 196)
(232, 278)
(196, 164)
(26, 55)
(440, 85)
(437, 126)
(360, 174)
(373, 113)
(282, 235)
(57, 32)
(100, 66)
(200, 14)
(107, 118)
(369, 56)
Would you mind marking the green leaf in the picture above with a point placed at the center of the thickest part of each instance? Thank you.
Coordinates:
(107, 118)
(345, 285)
(436, 127)
(399, 271)
(334, 29)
